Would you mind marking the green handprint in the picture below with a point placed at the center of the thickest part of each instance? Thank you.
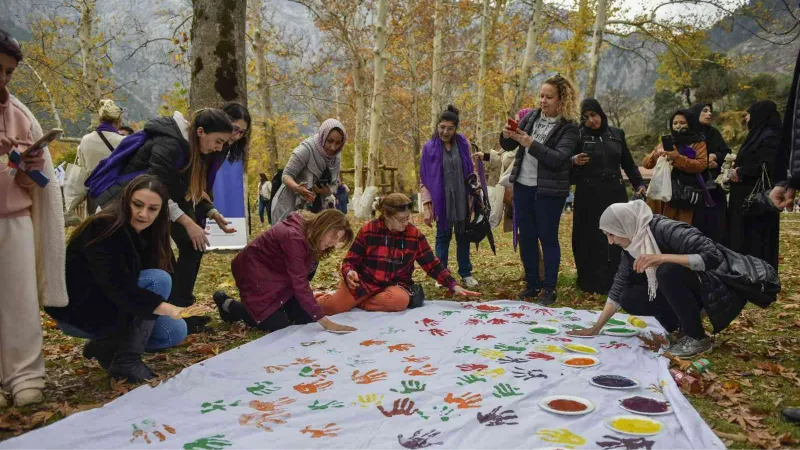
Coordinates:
(469, 379)
(526, 341)
(317, 406)
(467, 349)
(262, 388)
(218, 405)
(509, 348)
(505, 390)
(410, 386)
(215, 442)
(449, 313)
(527, 322)
(481, 316)
(444, 412)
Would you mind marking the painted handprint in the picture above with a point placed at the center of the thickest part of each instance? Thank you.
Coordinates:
(543, 311)
(491, 354)
(526, 375)
(416, 359)
(310, 343)
(469, 379)
(444, 412)
(539, 355)
(467, 349)
(498, 321)
(148, 426)
(274, 369)
(263, 388)
(217, 405)
(489, 308)
(482, 316)
(516, 315)
(269, 413)
(424, 371)
(410, 386)
(472, 322)
(625, 443)
(371, 376)
(494, 373)
(509, 348)
(466, 401)
(505, 390)
(315, 371)
(401, 407)
(615, 345)
(495, 418)
(527, 322)
(329, 430)
(270, 406)
(429, 322)
(483, 337)
(549, 348)
(448, 313)
(216, 442)
(510, 360)
(313, 387)
(354, 361)
(436, 331)
(559, 339)
(561, 436)
(526, 341)
(302, 362)
(419, 440)
(400, 347)
(472, 367)
(317, 406)
(371, 342)
(365, 401)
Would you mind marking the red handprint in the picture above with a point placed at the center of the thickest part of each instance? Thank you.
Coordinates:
(472, 367)
(543, 311)
(516, 315)
(559, 339)
(429, 322)
(498, 321)
(537, 355)
(370, 377)
(371, 342)
(436, 332)
(404, 407)
(416, 359)
(483, 337)
(525, 308)
(466, 401)
(400, 347)
(615, 345)
(472, 322)
(424, 371)
(468, 306)
(488, 308)
(313, 387)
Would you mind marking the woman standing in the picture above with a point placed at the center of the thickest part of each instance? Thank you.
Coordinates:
(31, 243)
(689, 160)
(444, 168)
(602, 151)
(755, 235)
(311, 171)
(98, 144)
(546, 139)
(273, 272)
(264, 196)
(118, 280)
(377, 271)
(711, 219)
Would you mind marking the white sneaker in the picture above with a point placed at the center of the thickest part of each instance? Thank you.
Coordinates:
(470, 282)
(28, 397)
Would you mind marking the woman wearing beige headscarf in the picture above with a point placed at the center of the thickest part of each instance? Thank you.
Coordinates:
(669, 270)
(98, 144)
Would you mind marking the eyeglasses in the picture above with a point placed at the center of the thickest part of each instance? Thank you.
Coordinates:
(404, 207)
(238, 131)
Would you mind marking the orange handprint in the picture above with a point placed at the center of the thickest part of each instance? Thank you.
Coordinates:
(273, 369)
(424, 371)
(369, 377)
(270, 406)
(328, 430)
(268, 413)
(416, 359)
(313, 387)
(371, 342)
(303, 361)
(400, 347)
(468, 400)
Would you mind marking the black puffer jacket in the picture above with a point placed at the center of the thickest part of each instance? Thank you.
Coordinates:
(721, 303)
(611, 153)
(553, 156)
(787, 167)
(164, 155)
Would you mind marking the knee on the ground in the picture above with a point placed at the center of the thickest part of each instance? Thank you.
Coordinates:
(666, 273)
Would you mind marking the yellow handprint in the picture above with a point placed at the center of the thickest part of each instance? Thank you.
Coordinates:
(491, 354)
(549, 348)
(369, 400)
(561, 436)
(494, 373)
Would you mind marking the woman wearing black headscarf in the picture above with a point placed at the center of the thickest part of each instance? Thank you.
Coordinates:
(711, 220)
(597, 177)
(689, 160)
(755, 235)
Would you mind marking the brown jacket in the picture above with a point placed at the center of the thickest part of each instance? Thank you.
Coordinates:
(684, 164)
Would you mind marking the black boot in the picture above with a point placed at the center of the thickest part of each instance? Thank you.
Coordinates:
(791, 414)
(127, 363)
(219, 299)
(197, 324)
(102, 350)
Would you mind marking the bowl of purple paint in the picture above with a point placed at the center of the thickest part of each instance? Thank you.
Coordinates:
(647, 406)
(614, 382)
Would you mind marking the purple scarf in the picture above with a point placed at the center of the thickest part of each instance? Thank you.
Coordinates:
(690, 153)
(106, 126)
(431, 171)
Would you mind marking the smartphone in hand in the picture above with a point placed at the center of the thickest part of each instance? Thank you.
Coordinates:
(666, 143)
(513, 124)
(589, 147)
(36, 175)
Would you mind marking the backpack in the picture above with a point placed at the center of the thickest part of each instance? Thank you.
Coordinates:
(754, 278)
(108, 171)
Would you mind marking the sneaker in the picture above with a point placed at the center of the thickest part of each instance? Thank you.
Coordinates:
(470, 282)
(28, 397)
(547, 297)
(689, 347)
(219, 299)
(528, 295)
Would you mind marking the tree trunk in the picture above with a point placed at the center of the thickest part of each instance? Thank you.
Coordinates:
(361, 116)
(416, 139)
(365, 212)
(89, 73)
(436, 79)
(483, 62)
(534, 28)
(259, 50)
(597, 41)
(50, 99)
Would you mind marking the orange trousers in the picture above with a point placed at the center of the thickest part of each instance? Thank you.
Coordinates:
(391, 299)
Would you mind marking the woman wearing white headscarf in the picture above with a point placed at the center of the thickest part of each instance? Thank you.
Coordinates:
(669, 270)
(311, 171)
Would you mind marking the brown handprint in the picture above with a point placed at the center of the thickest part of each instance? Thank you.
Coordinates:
(269, 413)
(313, 387)
(416, 359)
(400, 347)
(424, 371)
(369, 377)
(404, 407)
(436, 331)
(466, 401)
(274, 369)
(302, 361)
(328, 430)
(140, 433)
(371, 342)
(270, 406)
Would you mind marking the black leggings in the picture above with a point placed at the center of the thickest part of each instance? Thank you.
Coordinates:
(185, 269)
(291, 313)
(678, 302)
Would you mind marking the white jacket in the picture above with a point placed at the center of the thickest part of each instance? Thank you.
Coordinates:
(92, 149)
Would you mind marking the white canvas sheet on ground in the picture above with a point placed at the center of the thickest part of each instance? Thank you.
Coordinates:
(468, 368)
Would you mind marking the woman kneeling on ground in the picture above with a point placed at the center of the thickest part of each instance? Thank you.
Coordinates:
(118, 285)
(670, 270)
(273, 272)
(377, 271)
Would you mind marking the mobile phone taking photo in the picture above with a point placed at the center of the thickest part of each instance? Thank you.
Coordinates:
(513, 124)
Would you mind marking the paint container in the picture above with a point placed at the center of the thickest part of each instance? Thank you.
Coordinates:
(687, 382)
(637, 322)
(700, 366)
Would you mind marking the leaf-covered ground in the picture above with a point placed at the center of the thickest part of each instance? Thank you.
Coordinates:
(755, 361)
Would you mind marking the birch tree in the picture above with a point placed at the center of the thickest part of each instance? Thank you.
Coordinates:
(486, 21)
(534, 28)
(597, 41)
(436, 68)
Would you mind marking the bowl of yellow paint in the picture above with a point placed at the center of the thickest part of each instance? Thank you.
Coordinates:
(634, 425)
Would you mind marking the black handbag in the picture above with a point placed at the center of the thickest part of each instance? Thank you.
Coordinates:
(685, 196)
(758, 202)
(416, 296)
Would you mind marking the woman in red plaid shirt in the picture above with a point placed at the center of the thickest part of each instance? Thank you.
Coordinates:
(377, 271)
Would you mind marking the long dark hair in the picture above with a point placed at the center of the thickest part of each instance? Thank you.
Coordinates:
(212, 121)
(237, 111)
(118, 213)
(9, 45)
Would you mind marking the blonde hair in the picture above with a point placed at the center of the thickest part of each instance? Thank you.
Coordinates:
(392, 204)
(316, 225)
(109, 111)
(567, 96)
